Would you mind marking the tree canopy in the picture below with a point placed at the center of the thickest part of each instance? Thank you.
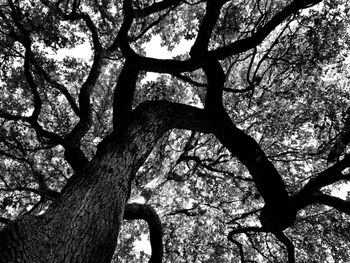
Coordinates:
(233, 150)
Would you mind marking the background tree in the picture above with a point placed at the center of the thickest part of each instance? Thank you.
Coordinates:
(234, 153)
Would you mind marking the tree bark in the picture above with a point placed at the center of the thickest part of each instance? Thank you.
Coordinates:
(82, 225)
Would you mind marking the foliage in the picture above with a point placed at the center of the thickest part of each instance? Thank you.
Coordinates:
(290, 92)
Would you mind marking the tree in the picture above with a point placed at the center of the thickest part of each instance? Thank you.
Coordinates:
(250, 126)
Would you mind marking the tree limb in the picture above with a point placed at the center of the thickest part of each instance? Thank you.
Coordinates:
(278, 212)
(289, 245)
(124, 94)
(200, 46)
(329, 176)
(147, 213)
(84, 124)
(175, 67)
(328, 200)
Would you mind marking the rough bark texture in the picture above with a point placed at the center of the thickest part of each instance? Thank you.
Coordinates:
(83, 224)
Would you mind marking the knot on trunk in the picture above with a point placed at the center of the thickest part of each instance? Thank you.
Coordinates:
(276, 218)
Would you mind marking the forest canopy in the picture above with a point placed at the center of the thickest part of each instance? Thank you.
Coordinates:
(234, 149)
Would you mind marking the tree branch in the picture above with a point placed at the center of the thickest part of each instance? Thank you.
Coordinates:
(124, 94)
(85, 109)
(278, 212)
(122, 38)
(84, 124)
(289, 245)
(147, 213)
(328, 176)
(237, 47)
(200, 46)
(63, 89)
(328, 200)
(243, 45)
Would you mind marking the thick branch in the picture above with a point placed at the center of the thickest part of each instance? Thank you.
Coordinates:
(147, 213)
(237, 47)
(85, 109)
(327, 177)
(200, 46)
(124, 94)
(278, 212)
(328, 200)
(121, 40)
(243, 45)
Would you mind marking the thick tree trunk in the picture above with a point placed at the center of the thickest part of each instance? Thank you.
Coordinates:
(83, 224)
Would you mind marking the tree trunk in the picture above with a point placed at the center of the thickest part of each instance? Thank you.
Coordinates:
(82, 225)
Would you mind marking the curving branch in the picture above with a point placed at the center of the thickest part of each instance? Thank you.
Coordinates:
(241, 231)
(74, 156)
(341, 141)
(245, 44)
(240, 249)
(85, 107)
(60, 87)
(147, 213)
(279, 235)
(122, 38)
(175, 67)
(124, 94)
(31, 83)
(212, 12)
(288, 244)
(279, 212)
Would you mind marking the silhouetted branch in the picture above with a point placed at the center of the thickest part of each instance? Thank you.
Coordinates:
(124, 94)
(85, 107)
(63, 89)
(121, 40)
(289, 245)
(212, 12)
(237, 47)
(148, 214)
(324, 199)
(266, 178)
(329, 176)
(245, 44)
(240, 248)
